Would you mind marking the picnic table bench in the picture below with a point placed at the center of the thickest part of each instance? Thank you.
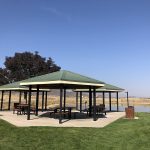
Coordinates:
(100, 109)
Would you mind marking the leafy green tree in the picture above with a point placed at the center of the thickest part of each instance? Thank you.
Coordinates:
(25, 65)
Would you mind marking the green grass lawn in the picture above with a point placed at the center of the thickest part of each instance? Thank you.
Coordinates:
(121, 135)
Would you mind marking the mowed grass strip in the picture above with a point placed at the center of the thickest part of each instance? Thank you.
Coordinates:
(121, 135)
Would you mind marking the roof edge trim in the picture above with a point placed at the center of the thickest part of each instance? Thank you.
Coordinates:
(61, 82)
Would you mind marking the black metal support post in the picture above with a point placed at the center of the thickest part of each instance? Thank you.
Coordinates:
(94, 104)
(77, 97)
(90, 102)
(2, 98)
(80, 101)
(42, 101)
(117, 102)
(46, 100)
(26, 98)
(60, 115)
(37, 101)
(110, 101)
(103, 98)
(64, 99)
(29, 102)
(9, 100)
(20, 93)
(127, 99)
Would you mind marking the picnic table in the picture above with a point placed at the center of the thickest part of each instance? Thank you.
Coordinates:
(65, 110)
(100, 109)
(22, 108)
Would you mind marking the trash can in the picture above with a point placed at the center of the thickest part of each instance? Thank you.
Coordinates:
(129, 112)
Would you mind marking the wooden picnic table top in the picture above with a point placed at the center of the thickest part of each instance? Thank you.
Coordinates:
(23, 105)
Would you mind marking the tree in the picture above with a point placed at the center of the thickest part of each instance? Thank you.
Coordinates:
(25, 65)
(4, 76)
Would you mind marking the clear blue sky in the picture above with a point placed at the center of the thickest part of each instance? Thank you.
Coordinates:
(105, 39)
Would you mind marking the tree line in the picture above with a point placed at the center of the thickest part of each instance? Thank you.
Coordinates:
(25, 65)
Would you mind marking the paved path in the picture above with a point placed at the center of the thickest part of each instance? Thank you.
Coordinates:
(21, 120)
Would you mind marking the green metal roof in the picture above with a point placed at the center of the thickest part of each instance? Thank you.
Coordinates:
(62, 77)
(109, 87)
(12, 86)
(105, 88)
(15, 86)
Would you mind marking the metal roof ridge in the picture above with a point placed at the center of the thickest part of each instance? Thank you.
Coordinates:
(84, 76)
(61, 74)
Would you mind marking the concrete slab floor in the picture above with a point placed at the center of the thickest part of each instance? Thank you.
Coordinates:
(44, 120)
